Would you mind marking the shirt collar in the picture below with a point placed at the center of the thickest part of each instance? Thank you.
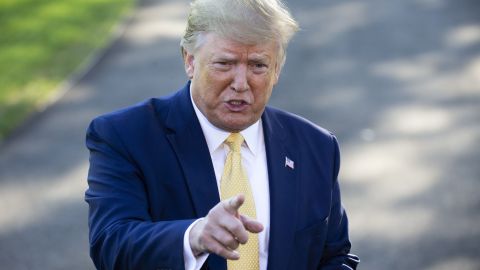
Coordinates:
(216, 136)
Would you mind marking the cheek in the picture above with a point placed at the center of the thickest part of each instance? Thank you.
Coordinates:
(218, 83)
(261, 98)
(212, 95)
(263, 89)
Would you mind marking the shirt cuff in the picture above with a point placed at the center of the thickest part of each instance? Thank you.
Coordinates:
(192, 262)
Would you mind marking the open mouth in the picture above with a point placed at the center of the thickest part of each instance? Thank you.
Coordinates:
(236, 105)
(236, 102)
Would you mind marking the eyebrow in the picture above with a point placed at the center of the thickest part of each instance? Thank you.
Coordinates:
(223, 54)
(224, 57)
(259, 58)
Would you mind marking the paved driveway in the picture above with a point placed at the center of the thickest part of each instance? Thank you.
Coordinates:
(397, 81)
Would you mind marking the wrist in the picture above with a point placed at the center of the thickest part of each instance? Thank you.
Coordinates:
(194, 238)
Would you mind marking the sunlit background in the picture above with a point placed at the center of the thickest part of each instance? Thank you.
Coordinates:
(398, 82)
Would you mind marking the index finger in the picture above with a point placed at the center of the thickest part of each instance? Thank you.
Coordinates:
(233, 204)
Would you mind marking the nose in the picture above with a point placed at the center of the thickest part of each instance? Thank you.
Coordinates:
(240, 80)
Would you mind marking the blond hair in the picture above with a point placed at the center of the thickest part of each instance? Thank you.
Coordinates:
(245, 21)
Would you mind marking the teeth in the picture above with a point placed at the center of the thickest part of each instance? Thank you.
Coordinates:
(235, 102)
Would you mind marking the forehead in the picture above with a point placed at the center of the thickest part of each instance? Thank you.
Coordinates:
(215, 45)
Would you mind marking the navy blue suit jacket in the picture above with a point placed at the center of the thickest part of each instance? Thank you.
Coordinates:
(151, 176)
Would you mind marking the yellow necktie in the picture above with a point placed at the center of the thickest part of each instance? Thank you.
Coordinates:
(234, 181)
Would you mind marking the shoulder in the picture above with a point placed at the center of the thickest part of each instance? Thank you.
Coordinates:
(137, 122)
(295, 125)
(131, 116)
(308, 137)
(147, 112)
(315, 145)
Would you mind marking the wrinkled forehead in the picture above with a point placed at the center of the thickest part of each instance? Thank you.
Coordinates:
(216, 43)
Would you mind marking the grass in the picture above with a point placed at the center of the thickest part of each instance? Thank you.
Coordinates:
(44, 41)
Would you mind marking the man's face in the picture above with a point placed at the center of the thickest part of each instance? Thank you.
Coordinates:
(231, 82)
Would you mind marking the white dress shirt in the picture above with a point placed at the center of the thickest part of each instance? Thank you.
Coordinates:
(254, 161)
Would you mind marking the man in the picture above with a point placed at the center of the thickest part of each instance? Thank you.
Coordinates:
(211, 178)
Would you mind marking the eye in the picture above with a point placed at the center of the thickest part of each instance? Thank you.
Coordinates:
(259, 67)
(221, 65)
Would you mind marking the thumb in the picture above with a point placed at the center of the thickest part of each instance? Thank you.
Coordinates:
(251, 224)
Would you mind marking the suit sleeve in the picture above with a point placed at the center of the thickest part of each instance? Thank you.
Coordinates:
(122, 233)
(336, 254)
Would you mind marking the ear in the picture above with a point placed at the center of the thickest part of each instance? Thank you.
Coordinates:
(189, 61)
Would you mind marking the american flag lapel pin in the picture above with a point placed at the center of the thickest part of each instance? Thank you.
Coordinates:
(289, 163)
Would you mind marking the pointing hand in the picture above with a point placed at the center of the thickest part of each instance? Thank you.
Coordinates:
(223, 229)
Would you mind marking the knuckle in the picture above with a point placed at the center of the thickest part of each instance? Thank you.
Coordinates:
(238, 228)
(243, 237)
(225, 253)
(234, 245)
(230, 241)
(205, 240)
(217, 249)
(212, 212)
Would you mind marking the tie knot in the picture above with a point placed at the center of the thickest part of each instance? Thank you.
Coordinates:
(234, 141)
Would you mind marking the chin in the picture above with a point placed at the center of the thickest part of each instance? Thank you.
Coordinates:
(234, 124)
(232, 127)
(238, 127)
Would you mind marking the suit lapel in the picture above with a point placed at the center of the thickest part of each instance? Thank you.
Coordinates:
(189, 144)
(283, 190)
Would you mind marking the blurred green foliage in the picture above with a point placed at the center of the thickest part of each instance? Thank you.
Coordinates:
(41, 43)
